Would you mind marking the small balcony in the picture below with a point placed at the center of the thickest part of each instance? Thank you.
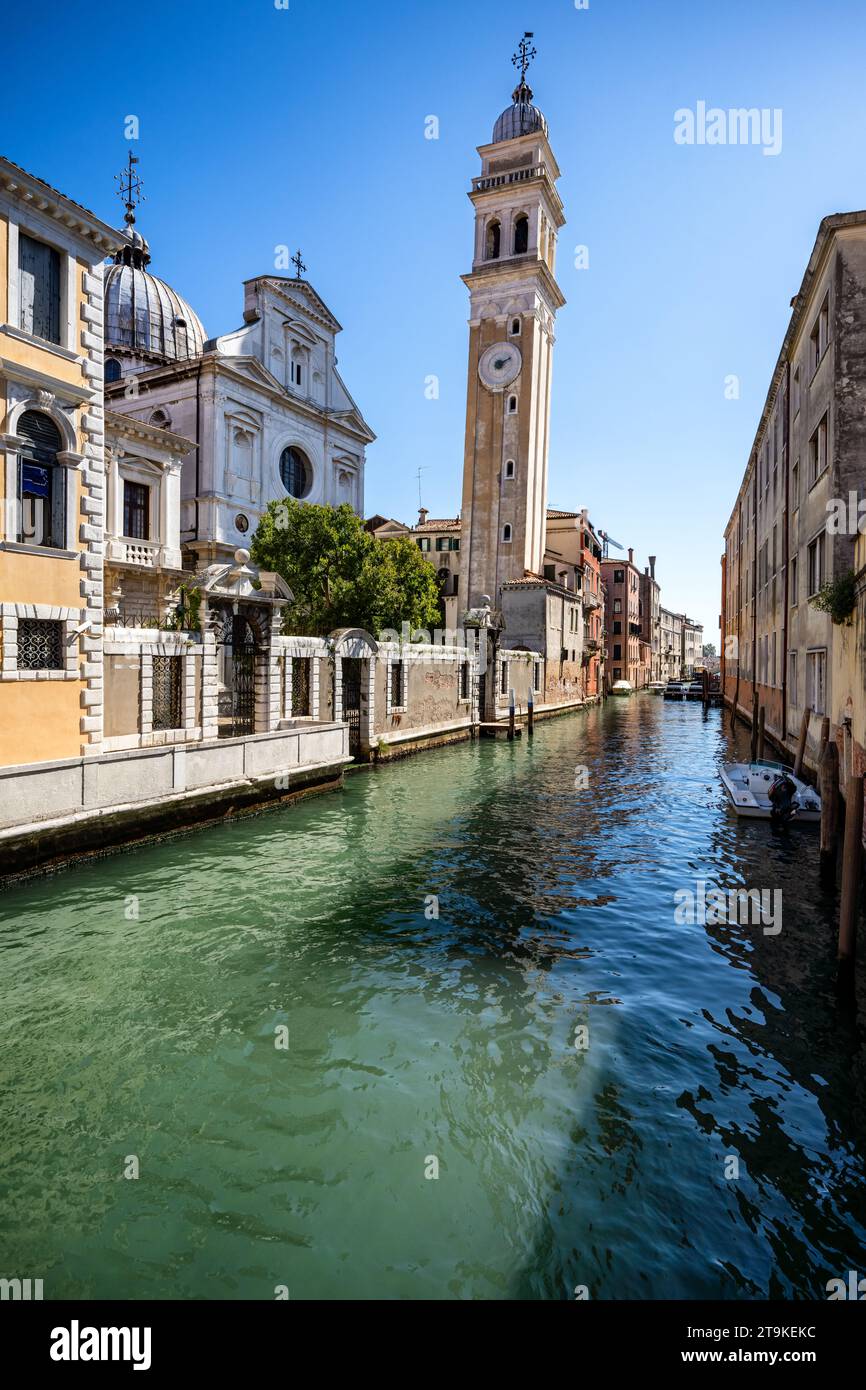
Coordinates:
(590, 600)
(129, 551)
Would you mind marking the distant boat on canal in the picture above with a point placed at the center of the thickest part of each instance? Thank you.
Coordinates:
(656, 687)
(622, 688)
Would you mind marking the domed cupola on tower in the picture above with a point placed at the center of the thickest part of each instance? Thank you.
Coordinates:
(146, 322)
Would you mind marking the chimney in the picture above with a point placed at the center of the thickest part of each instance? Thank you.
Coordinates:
(652, 560)
(630, 555)
(422, 515)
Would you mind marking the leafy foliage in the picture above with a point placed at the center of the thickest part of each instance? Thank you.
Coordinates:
(837, 597)
(340, 575)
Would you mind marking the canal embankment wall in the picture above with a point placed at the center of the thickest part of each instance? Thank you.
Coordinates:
(50, 811)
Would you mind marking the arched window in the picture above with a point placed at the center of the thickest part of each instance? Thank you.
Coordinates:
(112, 370)
(41, 482)
(509, 468)
(512, 405)
(521, 235)
(295, 472)
(515, 327)
(506, 532)
(161, 419)
(494, 232)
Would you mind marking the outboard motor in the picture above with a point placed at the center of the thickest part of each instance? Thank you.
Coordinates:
(782, 794)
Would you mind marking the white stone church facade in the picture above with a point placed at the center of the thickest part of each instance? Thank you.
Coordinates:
(264, 407)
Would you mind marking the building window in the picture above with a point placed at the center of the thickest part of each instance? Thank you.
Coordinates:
(423, 542)
(295, 472)
(136, 510)
(617, 673)
(512, 405)
(818, 452)
(617, 628)
(397, 676)
(619, 576)
(816, 673)
(792, 596)
(816, 564)
(820, 335)
(112, 371)
(454, 543)
(41, 483)
(295, 373)
(515, 327)
(442, 543)
(617, 652)
(167, 704)
(792, 678)
(40, 645)
(300, 686)
(617, 605)
(503, 678)
(463, 692)
(161, 420)
(39, 288)
(494, 234)
(506, 533)
(521, 235)
(795, 484)
(795, 393)
(536, 675)
(509, 468)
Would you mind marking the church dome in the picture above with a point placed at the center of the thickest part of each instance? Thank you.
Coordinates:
(520, 118)
(144, 315)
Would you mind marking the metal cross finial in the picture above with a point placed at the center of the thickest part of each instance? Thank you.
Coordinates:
(296, 261)
(129, 189)
(524, 56)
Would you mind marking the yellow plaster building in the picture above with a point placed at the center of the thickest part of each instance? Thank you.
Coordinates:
(52, 482)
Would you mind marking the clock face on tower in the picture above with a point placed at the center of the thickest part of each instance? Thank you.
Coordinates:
(499, 365)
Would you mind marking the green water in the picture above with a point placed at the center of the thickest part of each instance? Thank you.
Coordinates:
(412, 1038)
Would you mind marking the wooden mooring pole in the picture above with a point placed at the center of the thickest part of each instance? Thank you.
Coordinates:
(852, 863)
(761, 721)
(828, 790)
(511, 719)
(754, 726)
(801, 744)
(530, 711)
(825, 737)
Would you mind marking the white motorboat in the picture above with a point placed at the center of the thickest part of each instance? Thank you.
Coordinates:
(749, 787)
(656, 687)
(622, 688)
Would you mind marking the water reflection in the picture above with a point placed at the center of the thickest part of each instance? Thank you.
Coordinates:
(452, 1037)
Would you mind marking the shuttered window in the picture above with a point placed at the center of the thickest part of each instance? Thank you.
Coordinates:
(41, 482)
(39, 288)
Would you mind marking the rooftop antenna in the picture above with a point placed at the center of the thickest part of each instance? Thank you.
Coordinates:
(129, 189)
(299, 264)
(421, 470)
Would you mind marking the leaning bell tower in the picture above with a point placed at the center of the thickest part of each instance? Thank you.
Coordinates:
(513, 299)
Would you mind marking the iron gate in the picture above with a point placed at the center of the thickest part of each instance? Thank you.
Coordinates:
(352, 702)
(237, 701)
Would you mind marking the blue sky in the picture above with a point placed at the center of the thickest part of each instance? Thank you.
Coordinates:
(305, 126)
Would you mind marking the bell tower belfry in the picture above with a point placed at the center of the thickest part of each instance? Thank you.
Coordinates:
(513, 299)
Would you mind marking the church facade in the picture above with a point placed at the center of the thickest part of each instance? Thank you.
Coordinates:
(264, 408)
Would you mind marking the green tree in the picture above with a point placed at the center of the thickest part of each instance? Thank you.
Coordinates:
(339, 574)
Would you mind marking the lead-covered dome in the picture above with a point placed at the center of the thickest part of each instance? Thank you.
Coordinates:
(520, 118)
(144, 315)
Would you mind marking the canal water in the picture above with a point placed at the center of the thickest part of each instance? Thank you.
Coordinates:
(268, 1021)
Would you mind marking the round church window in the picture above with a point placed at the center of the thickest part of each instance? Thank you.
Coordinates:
(242, 523)
(295, 472)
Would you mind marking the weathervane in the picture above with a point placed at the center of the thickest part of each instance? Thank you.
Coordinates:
(296, 261)
(524, 56)
(129, 189)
